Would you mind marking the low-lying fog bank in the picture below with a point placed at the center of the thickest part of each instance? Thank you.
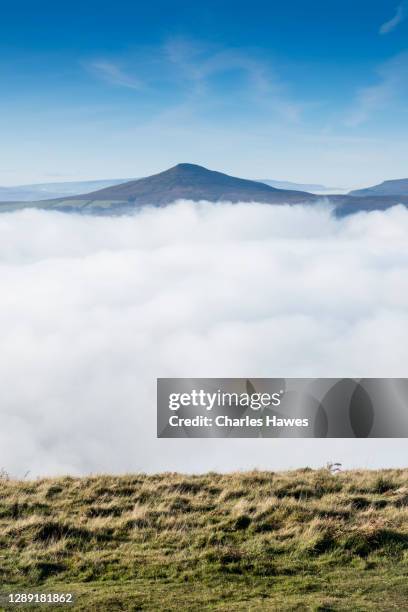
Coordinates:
(93, 310)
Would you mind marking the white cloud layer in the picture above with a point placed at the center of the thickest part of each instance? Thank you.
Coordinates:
(93, 310)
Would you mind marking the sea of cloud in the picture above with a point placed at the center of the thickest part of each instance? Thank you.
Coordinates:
(93, 310)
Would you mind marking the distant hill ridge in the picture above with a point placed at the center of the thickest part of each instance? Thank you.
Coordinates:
(56, 190)
(195, 183)
(43, 191)
(397, 187)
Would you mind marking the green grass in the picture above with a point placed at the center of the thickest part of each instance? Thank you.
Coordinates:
(303, 540)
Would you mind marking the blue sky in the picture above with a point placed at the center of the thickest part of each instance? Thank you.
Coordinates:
(305, 91)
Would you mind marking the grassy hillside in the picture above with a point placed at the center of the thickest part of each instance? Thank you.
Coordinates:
(303, 540)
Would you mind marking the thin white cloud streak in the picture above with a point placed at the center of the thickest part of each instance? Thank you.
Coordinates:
(201, 64)
(396, 20)
(391, 88)
(112, 73)
(93, 310)
(188, 70)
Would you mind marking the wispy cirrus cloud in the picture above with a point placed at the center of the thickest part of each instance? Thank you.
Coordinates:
(112, 73)
(202, 76)
(260, 81)
(392, 86)
(400, 15)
